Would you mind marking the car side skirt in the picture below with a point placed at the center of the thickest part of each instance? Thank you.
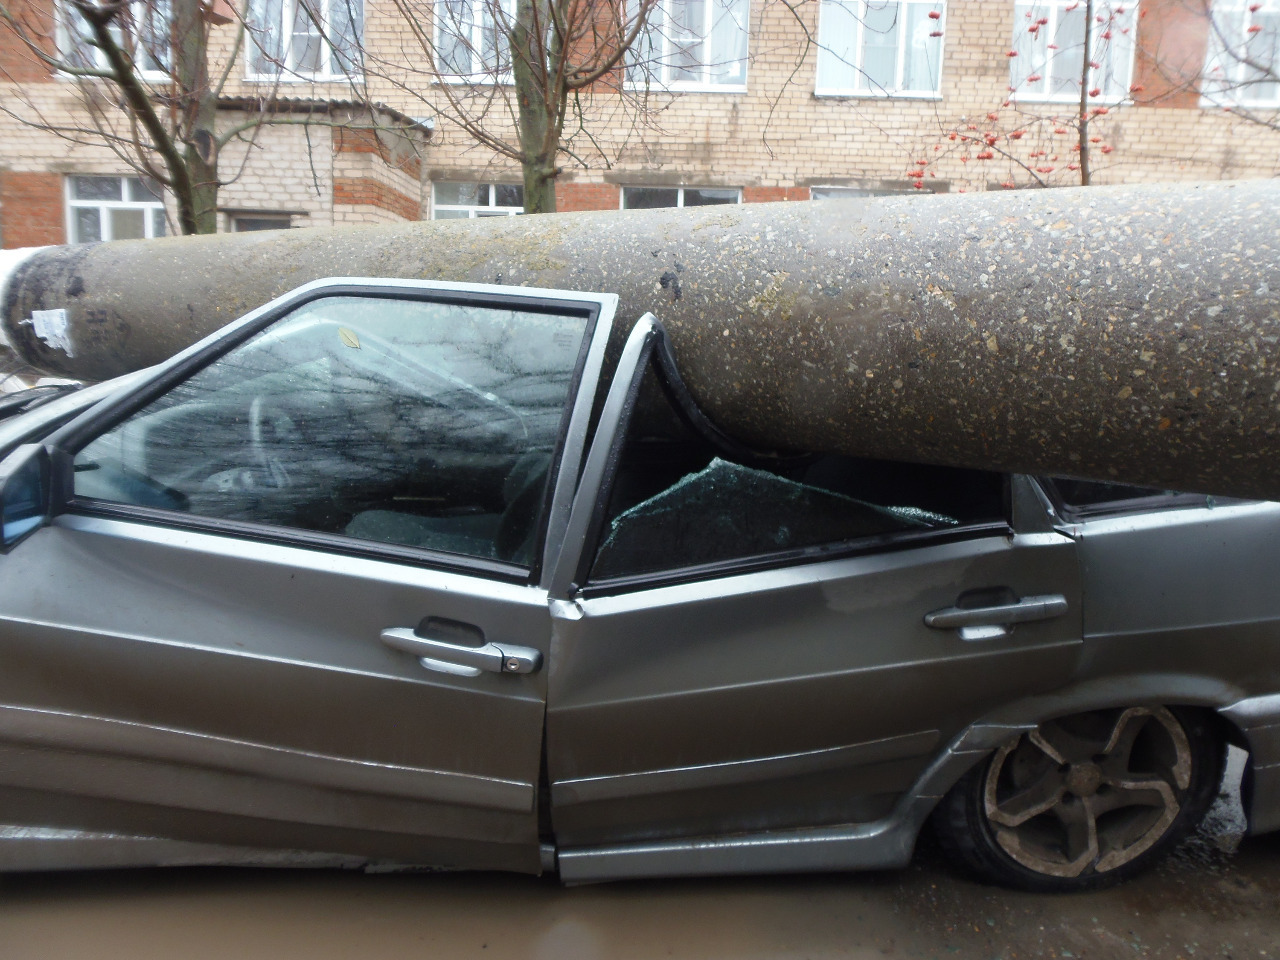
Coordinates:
(881, 844)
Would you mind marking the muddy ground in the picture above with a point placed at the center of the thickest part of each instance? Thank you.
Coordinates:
(1213, 899)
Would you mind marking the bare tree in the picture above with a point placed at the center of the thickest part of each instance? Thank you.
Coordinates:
(529, 79)
(151, 82)
(1069, 65)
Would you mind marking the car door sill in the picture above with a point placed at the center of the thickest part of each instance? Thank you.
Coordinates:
(880, 844)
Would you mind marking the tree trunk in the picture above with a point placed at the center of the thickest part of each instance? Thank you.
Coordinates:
(539, 129)
(198, 199)
(1082, 122)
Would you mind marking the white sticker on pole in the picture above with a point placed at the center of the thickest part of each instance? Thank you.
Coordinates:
(51, 327)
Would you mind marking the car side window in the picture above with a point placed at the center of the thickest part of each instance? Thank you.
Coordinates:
(678, 502)
(405, 421)
(1087, 499)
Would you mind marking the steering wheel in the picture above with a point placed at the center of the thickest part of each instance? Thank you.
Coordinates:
(270, 430)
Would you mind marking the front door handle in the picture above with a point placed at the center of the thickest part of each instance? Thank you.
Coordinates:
(438, 654)
(992, 622)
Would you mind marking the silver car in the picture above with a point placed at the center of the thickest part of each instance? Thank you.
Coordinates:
(395, 574)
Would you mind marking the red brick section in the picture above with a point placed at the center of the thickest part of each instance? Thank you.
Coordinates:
(356, 140)
(1173, 38)
(770, 194)
(362, 191)
(587, 196)
(17, 62)
(31, 209)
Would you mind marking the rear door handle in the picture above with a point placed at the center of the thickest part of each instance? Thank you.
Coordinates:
(991, 622)
(457, 658)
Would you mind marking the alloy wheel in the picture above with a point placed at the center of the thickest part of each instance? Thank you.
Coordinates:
(1088, 793)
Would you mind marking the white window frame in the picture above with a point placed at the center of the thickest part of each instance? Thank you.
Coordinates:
(658, 67)
(67, 47)
(896, 91)
(1020, 68)
(475, 210)
(285, 71)
(73, 203)
(622, 195)
(1230, 21)
(481, 19)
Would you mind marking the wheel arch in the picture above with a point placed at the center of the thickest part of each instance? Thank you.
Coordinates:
(1212, 696)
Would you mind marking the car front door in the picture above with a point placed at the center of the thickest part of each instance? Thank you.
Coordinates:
(290, 599)
(772, 645)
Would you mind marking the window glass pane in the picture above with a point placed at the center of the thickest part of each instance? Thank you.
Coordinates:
(495, 49)
(453, 36)
(128, 224)
(837, 46)
(642, 59)
(642, 198)
(1085, 493)
(1066, 63)
(729, 41)
(703, 196)
(76, 40)
(451, 215)
(1262, 56)
(467, 194)
(86, 224)
(838, 193)
(151, 27)
(247, 224)
(922, 52)
(346, 26)
(96, 188)
(880, 45)
(677, 502)
(508, 195)
(266, 38)
(158, 225)
(142, 191)
(686, 25)
(305, 54)
(409, 422)
(1032, 51)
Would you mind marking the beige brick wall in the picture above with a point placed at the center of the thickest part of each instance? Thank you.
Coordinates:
(777, 136)
(780, 134)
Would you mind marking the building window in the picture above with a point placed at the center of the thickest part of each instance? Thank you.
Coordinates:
(693, 45)
(1243, 65)
(260, 221)
(885, 48)
(1049, 38)
(472, 43)
(458, 201)
(304, 39)
(647, 198)
(141, 29)
(889, 189)
(113, 208)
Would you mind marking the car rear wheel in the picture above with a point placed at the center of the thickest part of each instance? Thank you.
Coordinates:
(1085, 800)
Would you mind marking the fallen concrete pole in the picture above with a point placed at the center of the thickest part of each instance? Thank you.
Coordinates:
(1126, 333)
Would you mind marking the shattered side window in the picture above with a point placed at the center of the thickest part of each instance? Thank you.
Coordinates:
(727, 510)
(676, 502)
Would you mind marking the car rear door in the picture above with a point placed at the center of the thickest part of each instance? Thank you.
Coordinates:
(756, 649)
(291, 602)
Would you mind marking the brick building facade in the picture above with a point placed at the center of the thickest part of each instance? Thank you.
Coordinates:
(940, 96)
